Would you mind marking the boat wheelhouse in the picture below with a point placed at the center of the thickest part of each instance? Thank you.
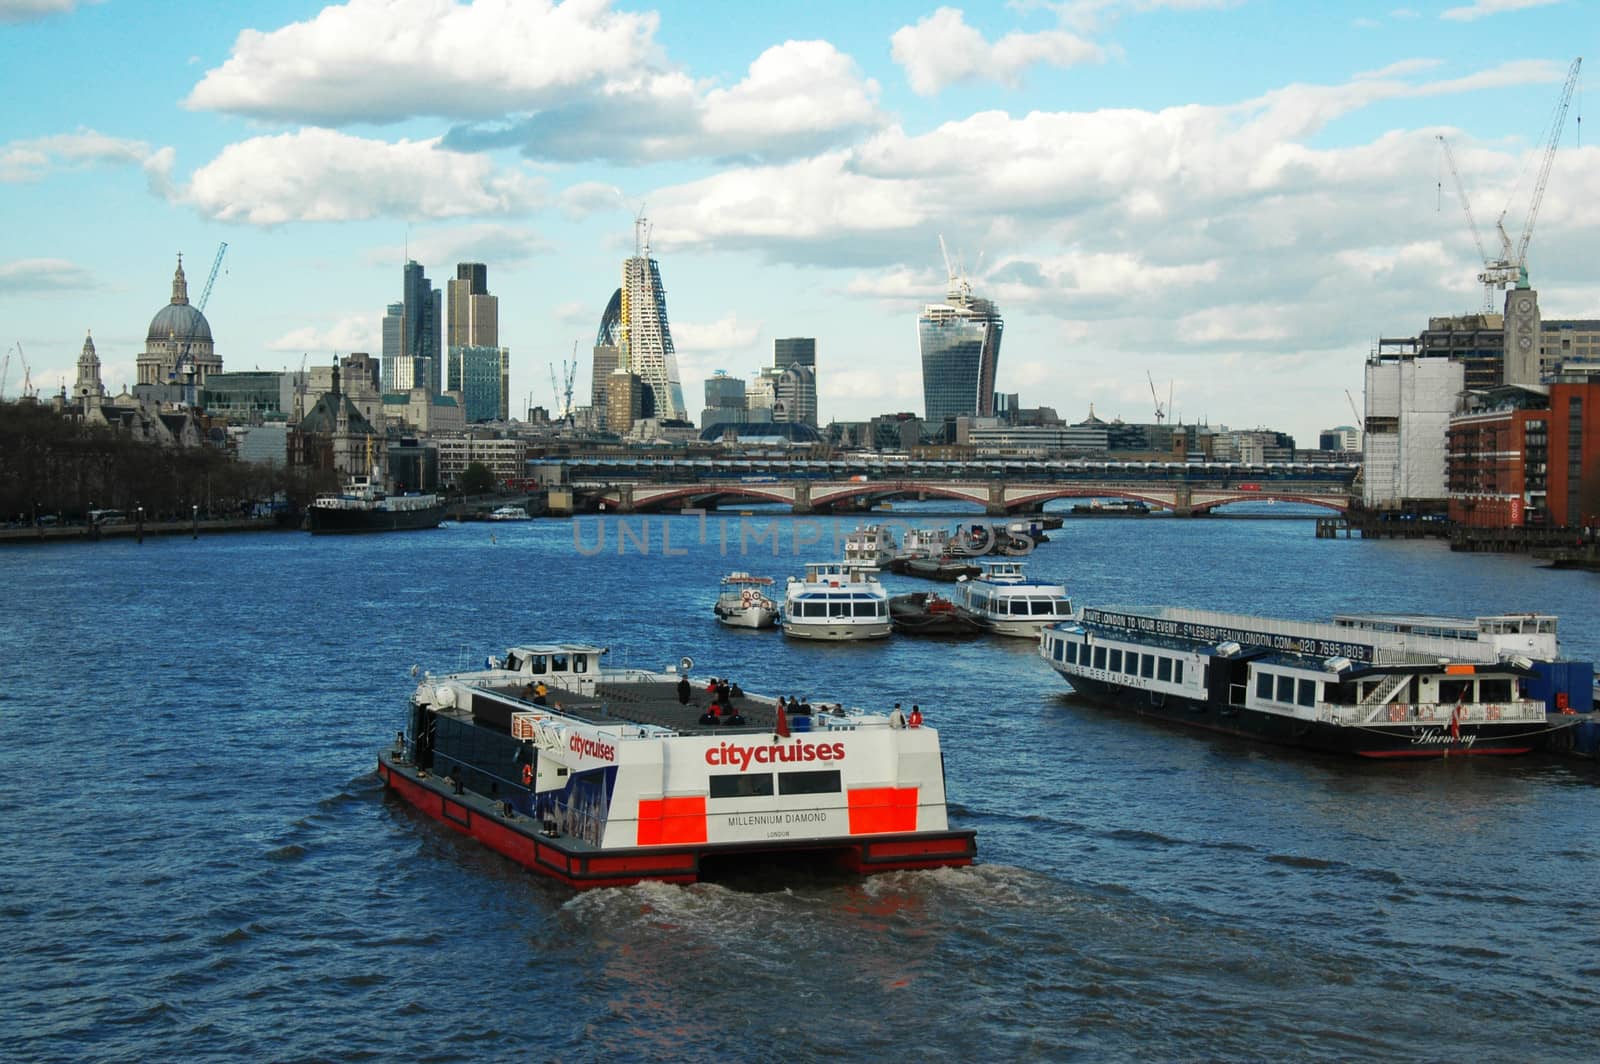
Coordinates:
(611, 776)
(872, 546)
(1362, 684)
(836, 601)
(743, 602)
(1002, 599)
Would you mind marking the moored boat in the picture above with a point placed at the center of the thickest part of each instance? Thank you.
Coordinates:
(944, 567)
(836, 601)
(928, 613)
(364, 506)
(509, 513)
(1373, 686)
(620, 775)
(1112, 508)
(872, 545)
(1002, 599)
(743, 602)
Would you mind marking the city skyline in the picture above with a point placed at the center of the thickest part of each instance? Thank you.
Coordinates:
(1137, 199)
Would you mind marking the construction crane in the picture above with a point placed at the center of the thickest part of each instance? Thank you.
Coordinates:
(1489, 288)
(1361, 422)
(562, 390)
(1161, 411)
(1512, 267)
(27, 374)
(5, 371)
(183, 365)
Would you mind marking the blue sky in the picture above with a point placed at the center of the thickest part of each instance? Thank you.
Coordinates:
(1234, 198)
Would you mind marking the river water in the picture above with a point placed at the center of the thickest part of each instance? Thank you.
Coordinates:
(200, 863)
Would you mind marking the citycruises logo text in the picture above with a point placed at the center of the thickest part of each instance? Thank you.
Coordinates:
(586, 747)
(740, 757)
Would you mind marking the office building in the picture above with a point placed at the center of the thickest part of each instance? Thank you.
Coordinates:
(421, 353)
(481, 376)
(607, 353)
(393, 343)
(473, 315)
(794, 349)
(645, 338)
(794, 362)
(959, 341)
(725, 400)
(624, 401)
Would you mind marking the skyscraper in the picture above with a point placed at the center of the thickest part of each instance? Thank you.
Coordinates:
(960, 344)
(421, 331)
(606, 356)
(473, 315)
(393, 343)
(792, 349)
(645, 339)
(794, 360)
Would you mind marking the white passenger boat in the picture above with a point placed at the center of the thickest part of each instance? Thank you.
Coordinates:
(872, 546)
(743, 602)
(509, 513)
(617, 775)
(836, 601)
(1003, 600)
(1377, 686)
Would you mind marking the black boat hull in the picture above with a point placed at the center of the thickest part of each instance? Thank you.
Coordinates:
(350, 522)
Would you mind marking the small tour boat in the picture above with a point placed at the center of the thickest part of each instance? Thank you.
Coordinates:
(928, 613)
(1112, 508)
(1377, 686)
(613, 775)
(1003, 600)
(836, 601)
(509, 513)
(743, 602)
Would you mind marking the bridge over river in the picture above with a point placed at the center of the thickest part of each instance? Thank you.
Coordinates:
(1184, 488)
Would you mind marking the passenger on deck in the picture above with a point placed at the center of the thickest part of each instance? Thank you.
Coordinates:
(803, 709)
(685, 692)
(709, 718)
(915, 720)
(526, 694)
(897, 717)
(539, 694)
(734, 720)
(735, 691)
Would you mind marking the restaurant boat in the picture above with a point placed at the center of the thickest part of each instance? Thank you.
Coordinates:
(614, 779)
(1373, 685)
(837, 602)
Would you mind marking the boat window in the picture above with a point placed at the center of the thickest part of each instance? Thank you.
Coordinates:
(1263, 685)
(1147, 666)
(1131, 664)
(1045, 607)
(1494, 690)
(1060, 650)
(1019, 606)
(580, 663)
(1285, 689)
(1116, 661)
(1177, 672)
(1453, 691)
(747, 785)
(558, 663)
(1340, 694)
(1164, 669)
(1307, 694)
(838, 609)
(536, 664)
(866, 609)
(821, 782)
(1099, 657)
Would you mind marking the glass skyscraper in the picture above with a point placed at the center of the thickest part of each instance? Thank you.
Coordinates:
(422, 332)
(960, 344)
(483, 377)
(644, 338)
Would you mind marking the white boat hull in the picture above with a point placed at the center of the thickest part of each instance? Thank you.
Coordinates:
(837, 633)
(748, 617)
(1018, 629)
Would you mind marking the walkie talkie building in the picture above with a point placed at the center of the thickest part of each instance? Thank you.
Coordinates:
(960, 344)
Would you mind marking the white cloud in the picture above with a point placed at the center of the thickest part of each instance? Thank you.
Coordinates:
(357, 331)
(316, 175)
(387, 60)
(27, 10)
(795, 89)
(589, 197)
(1398, 69)
(36, 158)
(942, 49)
(43, 275)
(1485, 8)
(495, 244)
(724, 334)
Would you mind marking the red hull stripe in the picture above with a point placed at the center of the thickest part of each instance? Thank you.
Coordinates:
(1462, 751)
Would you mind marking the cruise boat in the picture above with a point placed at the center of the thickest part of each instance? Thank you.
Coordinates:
(509, 513)
(1377, 686)
(836, 601)
(364, 506)
(613, 780)
(743, 602)
(1002, 599)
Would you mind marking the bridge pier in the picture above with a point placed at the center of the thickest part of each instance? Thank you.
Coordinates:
(996, 506)
(624, 503)
(802, 498)
(1181, 499)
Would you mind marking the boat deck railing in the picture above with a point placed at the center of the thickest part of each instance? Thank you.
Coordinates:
(1440, 713)
(1388, 648)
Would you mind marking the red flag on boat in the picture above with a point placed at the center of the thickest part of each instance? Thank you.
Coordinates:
(783, 721)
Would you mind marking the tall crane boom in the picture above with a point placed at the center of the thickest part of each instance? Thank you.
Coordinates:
(216, 264)
(1559, 121)
(1161, 413)
(1489, 287)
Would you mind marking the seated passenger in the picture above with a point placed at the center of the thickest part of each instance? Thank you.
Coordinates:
(735, 720)
(708, 718)
(735, 691)
(803, 709)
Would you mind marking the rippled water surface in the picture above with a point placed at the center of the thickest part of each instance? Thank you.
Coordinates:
(201, 863)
